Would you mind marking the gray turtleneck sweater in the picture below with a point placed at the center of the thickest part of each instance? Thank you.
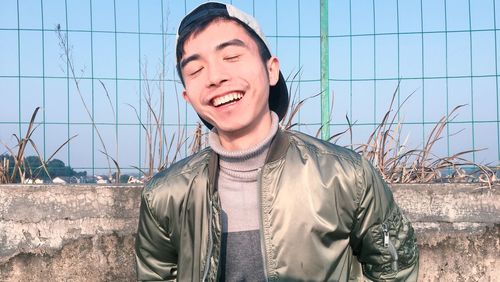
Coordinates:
(237, 184)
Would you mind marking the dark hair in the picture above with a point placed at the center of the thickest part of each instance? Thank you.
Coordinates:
(202, 24)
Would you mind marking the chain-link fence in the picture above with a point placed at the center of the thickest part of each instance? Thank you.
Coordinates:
(104, 71)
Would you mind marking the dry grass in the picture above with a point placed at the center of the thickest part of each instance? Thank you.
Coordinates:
(21, 170)
(384, 147)
(399, 164)
(66, 56)
(160, 149)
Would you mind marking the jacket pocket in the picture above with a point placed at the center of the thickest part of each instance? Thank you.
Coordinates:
(392, 247)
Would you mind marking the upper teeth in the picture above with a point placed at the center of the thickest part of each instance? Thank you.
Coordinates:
(227, 98)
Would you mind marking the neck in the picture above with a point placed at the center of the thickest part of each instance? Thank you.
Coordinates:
(228, 143)
(246, 138)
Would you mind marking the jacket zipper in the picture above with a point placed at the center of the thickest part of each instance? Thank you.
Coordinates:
(261, 221)
(390, 246)
(210, 241)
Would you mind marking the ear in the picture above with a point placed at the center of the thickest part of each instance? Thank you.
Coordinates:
(273, 69)
(186, 97)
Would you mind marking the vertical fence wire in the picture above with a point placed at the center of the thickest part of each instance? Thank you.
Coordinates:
(473, 122)
(116, 82)
(276, 25)
(19, 70)
(163, 77)
(496, 78)
(350, 68)
(374, 24)
(92, 90)
(44, 117)
(185, 104)
(446, 76)
(324, 73)
(422, 69)
(398, 34)
(299, 83)
(68, 109)
(139, 128)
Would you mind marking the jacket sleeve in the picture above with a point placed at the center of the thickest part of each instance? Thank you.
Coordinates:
(155, 255)
(382, 238)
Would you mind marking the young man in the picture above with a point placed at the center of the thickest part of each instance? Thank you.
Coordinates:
(262, 203)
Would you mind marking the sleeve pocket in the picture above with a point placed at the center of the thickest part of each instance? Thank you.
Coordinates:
(389, 247)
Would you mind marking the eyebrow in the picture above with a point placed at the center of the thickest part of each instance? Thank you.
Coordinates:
(232, 42)
(186, 61)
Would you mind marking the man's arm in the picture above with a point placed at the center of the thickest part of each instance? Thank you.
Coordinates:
(155, 255)
(383, 238)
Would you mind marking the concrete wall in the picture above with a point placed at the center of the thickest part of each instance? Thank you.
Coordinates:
(86, 233)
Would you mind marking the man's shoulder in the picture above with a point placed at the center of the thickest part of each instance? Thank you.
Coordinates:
(182, 169)
(324, 148)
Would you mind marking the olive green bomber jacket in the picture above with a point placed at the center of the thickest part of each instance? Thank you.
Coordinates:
(324, 211)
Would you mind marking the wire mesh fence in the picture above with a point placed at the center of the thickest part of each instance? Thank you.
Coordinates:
(105, 72)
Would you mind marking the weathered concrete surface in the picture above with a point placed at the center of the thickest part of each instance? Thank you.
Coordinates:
(458, 230)
(68, 233)
(86, 233)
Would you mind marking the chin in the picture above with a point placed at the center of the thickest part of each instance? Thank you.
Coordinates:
(230, 127)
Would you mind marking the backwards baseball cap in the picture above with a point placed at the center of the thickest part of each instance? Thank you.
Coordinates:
(278, 94)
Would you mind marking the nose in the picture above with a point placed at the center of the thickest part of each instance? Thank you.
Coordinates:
(217, 74)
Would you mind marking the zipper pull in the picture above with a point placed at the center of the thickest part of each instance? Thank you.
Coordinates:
(386, 234)
(391, 248)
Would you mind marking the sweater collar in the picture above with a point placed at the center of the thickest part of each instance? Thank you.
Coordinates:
(278, 148)
(247, 154)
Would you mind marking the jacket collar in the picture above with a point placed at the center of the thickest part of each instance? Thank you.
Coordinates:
(213, 167)
(279, 146)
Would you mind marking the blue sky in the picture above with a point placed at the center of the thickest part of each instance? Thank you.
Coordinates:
(444, 52)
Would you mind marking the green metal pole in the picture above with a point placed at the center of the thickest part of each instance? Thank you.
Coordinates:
(325, 84)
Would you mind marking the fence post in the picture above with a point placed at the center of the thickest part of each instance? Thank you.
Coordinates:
(325, 84)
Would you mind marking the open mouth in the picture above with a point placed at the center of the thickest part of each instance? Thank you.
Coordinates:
(227, 99)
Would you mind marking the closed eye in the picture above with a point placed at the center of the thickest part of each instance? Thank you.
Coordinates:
(195, 72)
(232, 58)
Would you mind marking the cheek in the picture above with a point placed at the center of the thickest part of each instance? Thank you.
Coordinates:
(194, 101)
(258, 74)
(191, 95)
(193, 91)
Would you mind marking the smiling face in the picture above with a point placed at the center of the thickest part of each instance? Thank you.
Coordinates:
(227, 83)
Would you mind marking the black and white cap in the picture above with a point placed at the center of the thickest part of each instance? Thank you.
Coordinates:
(278, 94)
